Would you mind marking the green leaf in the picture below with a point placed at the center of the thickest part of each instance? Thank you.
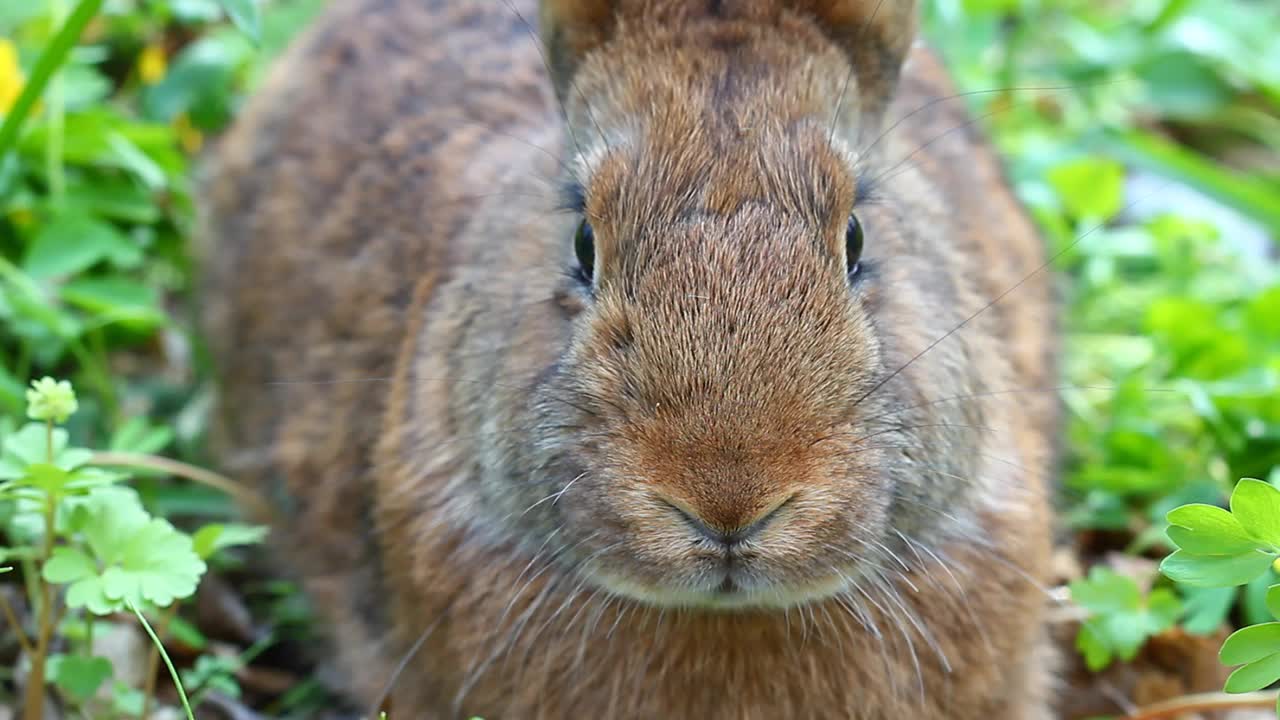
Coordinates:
(1120, 619)
(1254, 676)
(116, 298)
(79, 676)
(71, 243)
(1215, 570)
(29, 446)
(1208, 530)
(1106, 591)
(141, 559)
(49, 478)
(1257, 506)
(245, 14)
(1251, 643)
(54, 55)
(126, 700)
(1207, 608)
(1253, 601)
(139, 436)
(212, 538)
(186, 633)
(1183, 84)
(68, 565)
(1091, 188)
(12, 393)
(1273, 601)
(1255, 198)
(1091, 644)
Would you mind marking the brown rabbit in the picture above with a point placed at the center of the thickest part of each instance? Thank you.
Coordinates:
(578, 389)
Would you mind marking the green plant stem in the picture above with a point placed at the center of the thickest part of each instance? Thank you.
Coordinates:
(1203, 702)
(33, 707)
(88, 634)
(50, 60)
(53, 149)
(12, 618)
(173, 672)
(153, 662)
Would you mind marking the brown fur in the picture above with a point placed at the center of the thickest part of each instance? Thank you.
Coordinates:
(525, 491)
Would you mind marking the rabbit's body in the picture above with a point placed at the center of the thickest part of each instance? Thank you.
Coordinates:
(468, 441)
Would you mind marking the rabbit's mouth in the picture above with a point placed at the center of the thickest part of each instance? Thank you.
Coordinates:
(731, 588)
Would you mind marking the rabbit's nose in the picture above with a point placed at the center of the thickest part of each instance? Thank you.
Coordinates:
(729, 532)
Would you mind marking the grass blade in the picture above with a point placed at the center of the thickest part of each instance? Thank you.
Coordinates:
(50, 60)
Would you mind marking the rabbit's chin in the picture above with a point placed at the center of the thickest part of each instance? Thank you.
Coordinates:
(725, 593)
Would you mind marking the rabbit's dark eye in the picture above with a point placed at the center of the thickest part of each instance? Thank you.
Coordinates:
(853, 245)
(584, 246)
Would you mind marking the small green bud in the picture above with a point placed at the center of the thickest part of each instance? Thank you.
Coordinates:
(50, 399)
(1275, 564)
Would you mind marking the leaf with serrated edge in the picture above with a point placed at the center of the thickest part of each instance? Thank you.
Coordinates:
(1257, 506)
(1208, 530)
(142, 560)
(68, 565)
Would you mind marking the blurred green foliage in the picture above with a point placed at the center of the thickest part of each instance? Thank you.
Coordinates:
(1143, 135)
(1145, 138)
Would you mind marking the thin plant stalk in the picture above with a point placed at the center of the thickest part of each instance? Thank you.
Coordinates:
(244, 495)
(1204, 702)
(173, 672)
(153, 661)
(12, 618)
(53, 149)
(33, 705)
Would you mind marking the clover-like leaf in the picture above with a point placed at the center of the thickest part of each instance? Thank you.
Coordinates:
(1251, 643)
(79, 676)
(1257, 506)
(68, 565)
(1215, 570)
(1208, 530)
(1121, 618)
(1207, 608)
(136, 559)
(30, 446)
(1106, 591)
(1254, 676)
(72, 567)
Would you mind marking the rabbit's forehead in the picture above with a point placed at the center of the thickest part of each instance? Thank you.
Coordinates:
(661, 177)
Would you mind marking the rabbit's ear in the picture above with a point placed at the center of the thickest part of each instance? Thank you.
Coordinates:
(571, 29)
(875, 34)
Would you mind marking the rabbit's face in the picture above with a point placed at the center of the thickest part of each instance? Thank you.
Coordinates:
(728, 427)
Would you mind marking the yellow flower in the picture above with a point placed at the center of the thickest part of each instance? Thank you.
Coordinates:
(152, 64)
(189, 137)
(11, 79)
